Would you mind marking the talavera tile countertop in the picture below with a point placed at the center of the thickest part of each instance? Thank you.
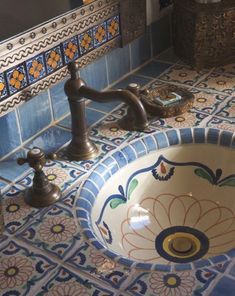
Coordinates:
(43, 252)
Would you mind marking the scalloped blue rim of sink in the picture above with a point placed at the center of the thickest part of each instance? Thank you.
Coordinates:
(124, 155)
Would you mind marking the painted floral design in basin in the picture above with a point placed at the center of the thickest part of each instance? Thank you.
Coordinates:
(166, 198)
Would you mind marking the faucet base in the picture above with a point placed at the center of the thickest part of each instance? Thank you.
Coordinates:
(82, 152)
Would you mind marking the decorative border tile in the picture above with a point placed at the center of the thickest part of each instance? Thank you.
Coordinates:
(53, 59)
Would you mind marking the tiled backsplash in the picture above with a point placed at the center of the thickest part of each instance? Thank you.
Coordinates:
(22, 124)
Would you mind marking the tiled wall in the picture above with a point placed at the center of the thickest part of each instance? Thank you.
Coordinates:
(23, 123)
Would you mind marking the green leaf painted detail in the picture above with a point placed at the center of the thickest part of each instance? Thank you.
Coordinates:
(116, 202)
(229, 182)
(132, 187)
(203, 174)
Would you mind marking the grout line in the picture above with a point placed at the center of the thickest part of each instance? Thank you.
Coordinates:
(18, 124)
(50, 105)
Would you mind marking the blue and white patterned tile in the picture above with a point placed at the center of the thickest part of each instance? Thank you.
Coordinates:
(59, 173)
(222, 83)
(109, 130)
(66, 282)
(21, 269)
(53, 59)
(3, 87)
(16, 79)
(186, 283)
(100, 34)
(35, 68)
(206, 101)
(54, 230)
(16, 212)
(227, 111)
(221, 123)
(86, 42)
(227, 69)
(93, 262)
(113, 27)
(103, 149)
(188, 119)
(70, 50)
(182, 75)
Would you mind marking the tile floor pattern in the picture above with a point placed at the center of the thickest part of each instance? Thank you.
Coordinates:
(43, 251)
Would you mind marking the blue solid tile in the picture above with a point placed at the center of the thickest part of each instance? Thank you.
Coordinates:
(9, 168)
(3, 87)
(118, 63)
(150, 143)
(86, 194)
(225, 286)
(182, 267)
(129, 153)
(139, 148)
(90, 235)
(161, 34)
(92, 116)
(59, 100)
(120, 158)
(35, 68)
(91, 187)
(132, 79)
(226, 138)
(153, 69)
(81, 214)
(162, 267)
(173, 138)
(231, 253)
(111, 164)
(95, 74)
(199, 135)
(213, 136)
(84, 204)
(140, 50)
(34, 115)
(186, 135)
(97, 179)
(219, 258)
(16, 78)
(104, 107)
(103, 171)
(161, 140)
(70, 50)
(84, 224)
(201, 263)
(50, 140)
(9, 136)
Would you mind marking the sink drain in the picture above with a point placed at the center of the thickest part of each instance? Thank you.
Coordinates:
(181, 244)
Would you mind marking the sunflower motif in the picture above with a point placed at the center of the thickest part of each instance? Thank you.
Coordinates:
(204, 100)
(36, 69)
(15, 209)
(16, 79)
(56, 175)
(101, 263)
(70, 288)
(111, 130)
(57, 229)
(71, 50)
(113, 28)
(218, 82)
(53, 59)
(181, 74)
(15, 271)
(148, 219)
(185, 120)
(172, 284)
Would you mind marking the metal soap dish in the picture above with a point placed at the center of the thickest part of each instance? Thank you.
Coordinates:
(164, 92)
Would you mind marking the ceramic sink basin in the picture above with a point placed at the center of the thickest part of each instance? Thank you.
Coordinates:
(164, 199)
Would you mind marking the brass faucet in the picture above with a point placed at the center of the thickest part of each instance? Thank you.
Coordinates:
(81, 147)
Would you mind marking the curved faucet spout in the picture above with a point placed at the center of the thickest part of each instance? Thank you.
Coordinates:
(137, 112)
